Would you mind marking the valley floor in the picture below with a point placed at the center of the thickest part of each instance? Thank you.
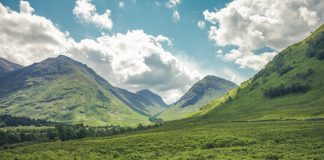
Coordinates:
(190, 139)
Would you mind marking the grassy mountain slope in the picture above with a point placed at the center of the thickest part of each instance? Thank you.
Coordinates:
(200, 94)
(7, 66)
(61, 89)
(290, 86)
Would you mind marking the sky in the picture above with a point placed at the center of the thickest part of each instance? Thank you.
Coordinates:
(161, 45)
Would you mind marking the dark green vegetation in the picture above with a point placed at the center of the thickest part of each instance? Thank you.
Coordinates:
(291, 86)
(316, 47)
(7, 120)
(19, 131)
(200, 94)
(6, 66)
(61, 89)
(191, 139)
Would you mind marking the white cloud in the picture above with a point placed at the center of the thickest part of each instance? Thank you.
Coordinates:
(25, 7)
(172, 3)
(121, 4)
(247, 59)
(254, 61)
(136, 60)
(309, 16)
(86, 12)
(133, 60)
(253, 25)
(176, 16)
(201, 24)
(26, 38)
(233, 55)
(210, 16)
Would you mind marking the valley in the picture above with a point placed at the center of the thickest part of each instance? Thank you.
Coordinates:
(161, 80)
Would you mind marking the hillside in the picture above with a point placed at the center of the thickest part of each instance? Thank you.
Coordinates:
(7, 66)
(291, 86)
(64, 90)
(200, 94)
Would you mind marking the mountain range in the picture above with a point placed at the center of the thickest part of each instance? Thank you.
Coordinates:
(61, 89)
(64, 90)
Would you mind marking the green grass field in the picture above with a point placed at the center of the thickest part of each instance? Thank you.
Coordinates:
(191, 139)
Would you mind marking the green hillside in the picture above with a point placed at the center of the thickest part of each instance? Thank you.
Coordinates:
(61, 89)
(291, 86)
(200, 94)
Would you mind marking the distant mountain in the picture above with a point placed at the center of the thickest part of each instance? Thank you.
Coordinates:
(7, 66)
(152, 97)
(200, 94)
(62, 89)
(147, 103)
(291, 86)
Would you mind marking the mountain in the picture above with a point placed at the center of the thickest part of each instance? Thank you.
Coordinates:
(7, 66)
(154, 102)
(144, 101)
(152, 97)
(291, 86)
(62, 89)
(200, 94)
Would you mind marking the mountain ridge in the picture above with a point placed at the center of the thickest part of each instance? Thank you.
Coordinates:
(7, 66)
(62, 89)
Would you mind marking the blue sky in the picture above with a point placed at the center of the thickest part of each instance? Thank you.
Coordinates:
(235, 42)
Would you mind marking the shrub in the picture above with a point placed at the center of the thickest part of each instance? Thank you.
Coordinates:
(272, 157)
(282, 90)
(283, 70)
(316, 47)
(228, 142)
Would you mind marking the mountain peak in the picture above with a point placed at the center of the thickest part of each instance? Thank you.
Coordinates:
(200, 94)
(145, 91)
(153, 97)
(7, 66)
(210, 86)
(212, 79)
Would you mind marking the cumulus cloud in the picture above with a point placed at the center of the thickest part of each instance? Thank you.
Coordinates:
(201, 24)
(176, 16)
(25, 7)
(136, 60)
(133, 60)
(253, 25)
(26, 38)
(247, 59)
(172, 3)
(86, 12)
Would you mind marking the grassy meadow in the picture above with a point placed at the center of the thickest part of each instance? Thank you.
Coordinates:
(191, 139)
